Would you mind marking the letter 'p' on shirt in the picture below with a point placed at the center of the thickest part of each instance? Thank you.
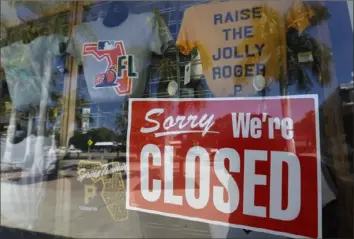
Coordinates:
(238, 40)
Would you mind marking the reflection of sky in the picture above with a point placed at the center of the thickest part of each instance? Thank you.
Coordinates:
(340, 39)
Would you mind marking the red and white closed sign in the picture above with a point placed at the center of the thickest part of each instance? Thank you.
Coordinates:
(234, 162)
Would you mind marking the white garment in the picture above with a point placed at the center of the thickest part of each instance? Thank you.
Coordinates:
(196, 67)
(20, 200)
(21, 152)
(27, 67)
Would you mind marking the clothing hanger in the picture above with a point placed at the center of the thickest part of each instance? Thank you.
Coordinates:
(262, 106)
(261, 84)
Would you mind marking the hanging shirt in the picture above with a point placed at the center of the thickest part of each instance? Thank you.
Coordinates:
(238, 40)
(27, 65)
(116, 59)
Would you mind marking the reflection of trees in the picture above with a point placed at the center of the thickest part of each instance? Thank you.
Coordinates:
(307, 121)
(58, 102)
(121, 123)
(298, 42)
(193, 108)
(269, 30)
(79, 140)
(297, 73)
(52, 110)
(301, 126)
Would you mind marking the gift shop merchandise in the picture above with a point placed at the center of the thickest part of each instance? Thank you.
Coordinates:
(28, 68)
(238, 40)
(116, 59)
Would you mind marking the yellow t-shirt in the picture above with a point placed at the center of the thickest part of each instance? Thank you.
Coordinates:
(238, 40)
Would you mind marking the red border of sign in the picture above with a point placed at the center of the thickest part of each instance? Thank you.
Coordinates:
(319, 195)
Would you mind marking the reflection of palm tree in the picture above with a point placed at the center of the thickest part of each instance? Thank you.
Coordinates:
(269, 30)
(121, 122)
(194, 108)
(320, 66)
(59, 99)
(53, 110)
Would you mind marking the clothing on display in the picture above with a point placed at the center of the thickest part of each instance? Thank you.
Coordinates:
(196, 67)
(23, 154)
(26, 66)
(238, 40)
(21, 199)
(249, 135)
(116, 59)
(187, 93)
(101, 197)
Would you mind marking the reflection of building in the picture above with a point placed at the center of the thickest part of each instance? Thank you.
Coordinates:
(85, 119)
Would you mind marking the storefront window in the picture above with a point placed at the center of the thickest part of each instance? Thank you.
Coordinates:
(177, 119)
